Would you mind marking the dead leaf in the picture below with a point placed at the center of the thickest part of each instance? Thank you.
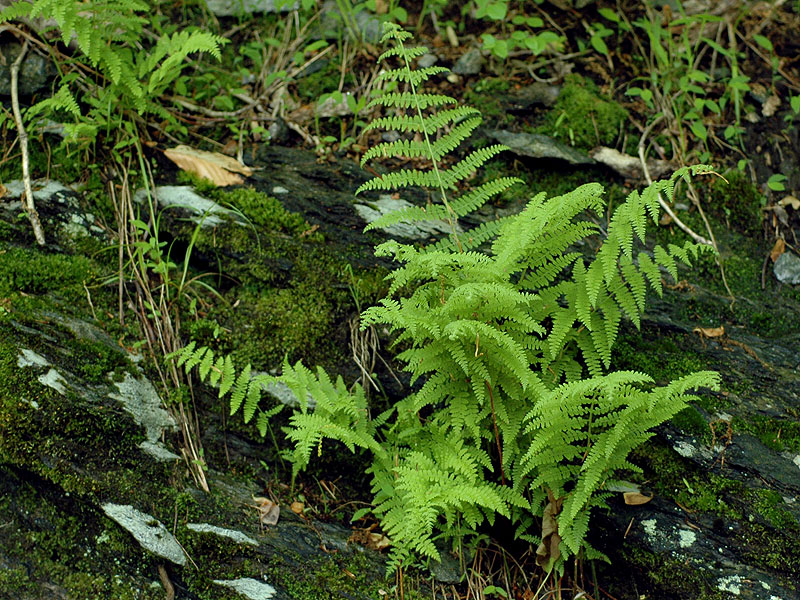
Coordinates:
(3, 190)
(770, 106)
(777, 249)
(710, 332)
(790, 201)
(268, 511)
(378, 541)
(220, 169)
(636, 498)
(297, 507)
(548, 553)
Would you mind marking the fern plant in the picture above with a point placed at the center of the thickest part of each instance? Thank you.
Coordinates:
(518, 414)
(109, 35)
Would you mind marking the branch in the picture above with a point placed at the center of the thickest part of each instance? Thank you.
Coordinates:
(27, 201)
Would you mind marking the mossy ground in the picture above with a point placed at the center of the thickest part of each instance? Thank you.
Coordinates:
(582, 116)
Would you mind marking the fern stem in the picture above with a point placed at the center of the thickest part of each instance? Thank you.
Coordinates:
(496, 433)
(451, 215)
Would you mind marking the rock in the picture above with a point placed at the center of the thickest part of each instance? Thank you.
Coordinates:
(629, 166)
(34, 73)
(232, 8)
(536, 145)
(417, 231)
(537, 93)
(236, 536)
(149, 532)
(427, 60)
(469, 63)
(363, 23)
(140, 399)
(203, 210)
(249, 588)
(787, 268)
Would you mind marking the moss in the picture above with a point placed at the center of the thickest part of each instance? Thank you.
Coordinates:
(669, 578)
(776, 434)
(56, 541)
(769, 505)
(738, 202)
(323, 81)
(484, 94)
(34, 272)
(265, 212)
(763, 548)
(582, 117)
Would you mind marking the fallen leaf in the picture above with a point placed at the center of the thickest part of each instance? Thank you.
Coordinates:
(711, 332)
(777, 249)
(378, 541)
(790, 201)
(636, 498)
(297, 507)
(3, 190)
(548, 552)
(268, 511)
(216, 167)
(770, 106)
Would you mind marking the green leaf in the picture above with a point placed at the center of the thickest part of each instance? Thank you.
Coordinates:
(609, 14)
(764, 43)
(775, 182)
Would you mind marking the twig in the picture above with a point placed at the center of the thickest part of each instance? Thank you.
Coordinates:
(697, 238)
(27, 202)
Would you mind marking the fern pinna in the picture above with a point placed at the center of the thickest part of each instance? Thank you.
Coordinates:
(517, 414)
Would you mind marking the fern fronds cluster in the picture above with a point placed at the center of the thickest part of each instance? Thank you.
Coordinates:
(517, 413)
(109, 35)
(433, 135)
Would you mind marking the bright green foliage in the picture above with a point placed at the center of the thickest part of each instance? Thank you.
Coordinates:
(516, 413)
(109, 35)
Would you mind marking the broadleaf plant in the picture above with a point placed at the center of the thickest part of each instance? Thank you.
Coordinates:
(518, 414)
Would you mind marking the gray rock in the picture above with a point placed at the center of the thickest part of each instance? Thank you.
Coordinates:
(140, 399)
(470, 63)
(34, 73)
(787, 268)
(29, 358)
(386, 204)
(536, 145)
(203, 210)
(427, 60)
(43, 189)
(149, 532)
(249, 588)
(537, 93)
(365, 24)
(236, 536)
(232, 8)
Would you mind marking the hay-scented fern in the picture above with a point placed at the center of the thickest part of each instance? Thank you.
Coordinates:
(517, 414)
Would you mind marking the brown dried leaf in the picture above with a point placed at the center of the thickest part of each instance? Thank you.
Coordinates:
(636, 498)
(220, 169)
(297, 507)
(710, 332)
(378, 541)
(770, 106)
(268, 511)
(778, 249)
(547, 553)
(790, 201)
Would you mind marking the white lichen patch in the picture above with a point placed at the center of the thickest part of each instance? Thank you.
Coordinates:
(236, 536)
(684, 448)
(730, 583)
(140, 399)
(148, 531)
(386, 204)
(206, 211)
(250, 588)
(649, 527)
(686, 537)
(54, 380)
(29, 358)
